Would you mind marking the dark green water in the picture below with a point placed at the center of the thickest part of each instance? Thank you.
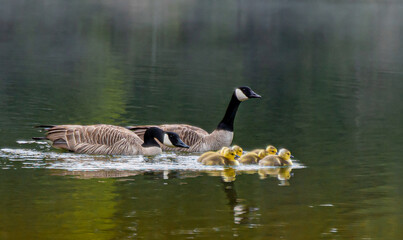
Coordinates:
(330, 73)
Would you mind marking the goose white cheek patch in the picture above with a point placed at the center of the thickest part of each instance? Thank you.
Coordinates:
(167, 141)
(240, 95)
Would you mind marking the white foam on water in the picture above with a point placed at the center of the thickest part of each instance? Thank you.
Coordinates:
(84, 162)
(31, 142)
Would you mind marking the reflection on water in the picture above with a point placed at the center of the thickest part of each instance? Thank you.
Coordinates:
(329, 73)
(165, 166)
(45, 157)
(242, 212)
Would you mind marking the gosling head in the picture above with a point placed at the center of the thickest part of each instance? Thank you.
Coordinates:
(229, 154)
(172, 139)
(285, 154)
(271, 150)
(238, 150)
(244, 93)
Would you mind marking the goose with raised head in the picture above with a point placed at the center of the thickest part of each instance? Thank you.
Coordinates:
(198, 139)
(282, 159)
(109, 139)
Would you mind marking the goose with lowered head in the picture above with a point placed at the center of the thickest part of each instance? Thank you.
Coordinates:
(200, 140)
(109, 139)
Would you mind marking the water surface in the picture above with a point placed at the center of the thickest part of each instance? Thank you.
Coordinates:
(330, 73)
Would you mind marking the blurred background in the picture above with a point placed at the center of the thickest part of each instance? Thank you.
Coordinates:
(330, 75)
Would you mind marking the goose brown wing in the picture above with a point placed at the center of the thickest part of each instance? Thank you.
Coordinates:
(189, 134)
(72, 136)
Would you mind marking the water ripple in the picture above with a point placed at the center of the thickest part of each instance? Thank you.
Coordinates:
(82, 162)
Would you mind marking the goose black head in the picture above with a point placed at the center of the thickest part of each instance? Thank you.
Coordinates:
(244, 93)
(169, 139)
(172, 139)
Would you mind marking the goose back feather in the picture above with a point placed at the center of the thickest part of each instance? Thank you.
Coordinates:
(98, 139)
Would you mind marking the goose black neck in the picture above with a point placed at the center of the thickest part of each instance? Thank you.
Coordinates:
(150, 135)
(227, 123)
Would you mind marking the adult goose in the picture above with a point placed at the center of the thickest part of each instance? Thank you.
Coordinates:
(109, 139)
(198, 139)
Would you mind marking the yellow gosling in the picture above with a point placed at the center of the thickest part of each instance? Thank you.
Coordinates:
(271, 150)
(227, 158)
(206, 154)
(282, 159)
(253, 158)
(238, 150)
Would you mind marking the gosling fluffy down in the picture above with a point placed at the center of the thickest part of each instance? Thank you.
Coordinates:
(270, 149)
(238, 151)
(226, 158)
(282, 159)
(200, 140)
(253, 158)
(210, 153)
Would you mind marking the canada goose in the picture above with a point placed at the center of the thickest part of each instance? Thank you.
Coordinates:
(209, 153)
(282, 159)
(271, 150)
(227, 158)
(198, 139)
(109, 139)
(253, 158)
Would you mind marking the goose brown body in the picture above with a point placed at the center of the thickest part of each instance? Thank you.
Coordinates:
(99, 139)
(198, 139)
(210, 153)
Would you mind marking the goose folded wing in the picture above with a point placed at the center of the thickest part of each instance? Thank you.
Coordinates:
(71, 137)
(189, 134)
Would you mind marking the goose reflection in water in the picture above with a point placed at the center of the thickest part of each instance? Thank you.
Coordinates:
(96, 174)
(242, 213)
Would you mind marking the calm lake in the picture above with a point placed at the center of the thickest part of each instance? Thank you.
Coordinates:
(331, 78)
